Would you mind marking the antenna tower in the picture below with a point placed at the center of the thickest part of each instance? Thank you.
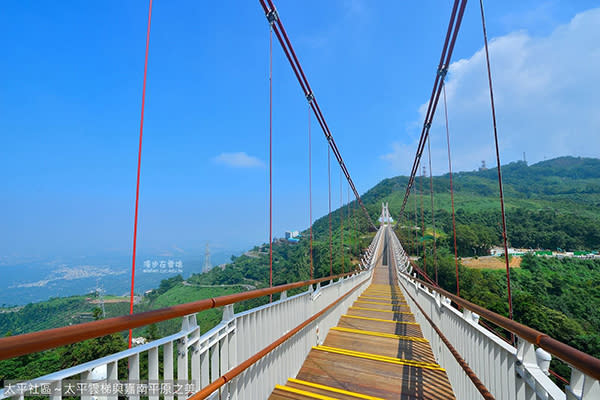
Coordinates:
(207, 264)
(99, 292)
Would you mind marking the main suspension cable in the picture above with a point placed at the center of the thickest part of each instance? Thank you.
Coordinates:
(275, 20)
(447, 50)
(139, 166)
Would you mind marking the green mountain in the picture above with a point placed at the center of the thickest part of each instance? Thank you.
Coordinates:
(551, 204)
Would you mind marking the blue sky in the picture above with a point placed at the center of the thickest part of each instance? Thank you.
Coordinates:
(70, 97)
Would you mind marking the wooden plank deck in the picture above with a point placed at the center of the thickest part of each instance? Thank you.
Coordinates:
(377, 351)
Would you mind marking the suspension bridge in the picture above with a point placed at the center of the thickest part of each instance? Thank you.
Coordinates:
(384, 330)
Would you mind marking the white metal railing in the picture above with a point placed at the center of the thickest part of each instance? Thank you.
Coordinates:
(259, 327)
(507, 372)
(191, 361)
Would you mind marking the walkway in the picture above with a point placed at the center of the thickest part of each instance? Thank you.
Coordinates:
(377, 351)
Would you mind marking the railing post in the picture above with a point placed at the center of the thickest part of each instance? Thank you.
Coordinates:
(182, 365)
(526, 353)
(134, 375)
(56, 390)
(227, 345)
(153, 372)
(168, 367)
(112, 375)
(85, 380)
(543, 359)
(582, 387)
(575, 389)
(214, 362)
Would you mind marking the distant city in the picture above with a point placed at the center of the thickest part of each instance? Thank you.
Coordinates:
(38, 280)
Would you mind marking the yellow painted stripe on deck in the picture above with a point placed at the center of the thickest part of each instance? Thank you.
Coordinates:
(381, 320)
(376, 357)
(380, 334)
(383, 292)
(304, 393)
(405, 360)
(374, 309)
(335, 390)
(381, 304)
(393, 295)
(381, 298)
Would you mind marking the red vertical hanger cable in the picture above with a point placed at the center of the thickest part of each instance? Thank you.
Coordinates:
(408, 233)
(310, 194)
(356, 249)
(271, 159)
(342, 223)
(349, 225)
(504, 238)
(423, 224)
(416, 248)
(330, 228)
(139, 165)
(432, 209)
(451, 191)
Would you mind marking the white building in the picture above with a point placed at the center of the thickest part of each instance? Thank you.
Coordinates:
(291, 234)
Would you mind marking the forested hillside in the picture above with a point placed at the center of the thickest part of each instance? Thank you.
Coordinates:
(560, 297)
(552, 204)
(76, 309)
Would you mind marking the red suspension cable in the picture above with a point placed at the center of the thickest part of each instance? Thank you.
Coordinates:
(447, 50)
(310, 195)
(435, 267)
(451, 191)
(271, 160)
(139, 165)
(504, 238)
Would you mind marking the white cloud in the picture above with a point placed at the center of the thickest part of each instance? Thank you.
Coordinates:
(238, 160)
(547, 103)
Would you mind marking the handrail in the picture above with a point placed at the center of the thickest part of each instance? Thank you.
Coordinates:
(219, 382)
(481, 388)
(18, 345)
(582, 361)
